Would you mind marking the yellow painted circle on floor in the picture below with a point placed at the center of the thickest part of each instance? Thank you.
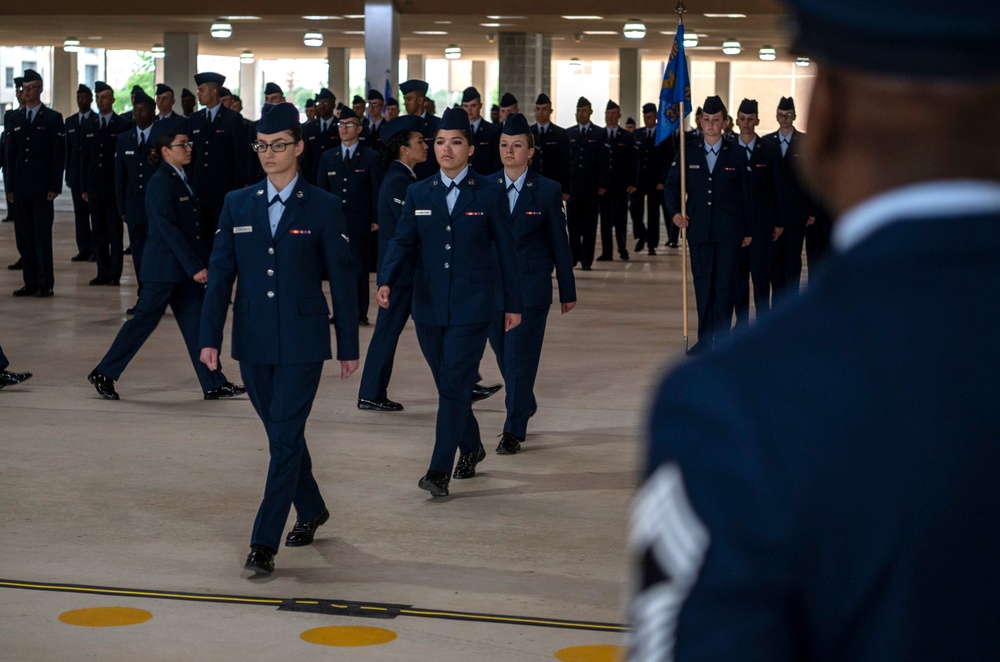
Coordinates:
(591, 654)
(348, 635)
(105, 617)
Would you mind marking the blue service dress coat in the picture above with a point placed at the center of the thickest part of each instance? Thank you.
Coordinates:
(132, 173)
(219, 162)
(318, 143)
(486, 139)
(389, 324)
(539, 222)
(428, 128)
(97, 172)
(552, 154)
(832, 472)
(798, 207)
(463, 259)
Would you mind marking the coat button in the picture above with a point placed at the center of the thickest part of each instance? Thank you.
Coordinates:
(446, 265)
(447, 228)
(270, 251)
(270, 272)
(197, 236)
(709, 203)
(447, 247)
(270, 295)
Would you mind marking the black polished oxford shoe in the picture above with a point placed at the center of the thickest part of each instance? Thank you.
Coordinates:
(17, 266)
(131, 310)
(466, 467)
(385, 404)
(435, 482)
(639, 245)
(260, 560)
(80, 257)
(481, 392)
(25, 292)
(302, 534)
(105, 385)
(363, 320)
(44, 293)
(227, 390)
(99, 281)
(8, 378)
(509, 444)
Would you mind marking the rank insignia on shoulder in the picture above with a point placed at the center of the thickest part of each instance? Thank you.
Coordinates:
(302, 232)
(475, 213)
(129, 152)
(240, 229)
(331, 174)
(346, 238)
(422, 212)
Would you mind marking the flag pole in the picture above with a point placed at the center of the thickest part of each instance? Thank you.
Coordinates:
(680, 9)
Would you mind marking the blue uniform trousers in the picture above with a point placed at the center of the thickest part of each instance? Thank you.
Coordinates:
(382, 347)
(185, 300)
(755, 264)
(786, 268)
(283, 397)
(3, 360)
(453, 354)
(108, 241)
(33, 235)
(518, 353)
(137, 235)
(713, 269)
(614, 218)
(81, 217)
(581, 225)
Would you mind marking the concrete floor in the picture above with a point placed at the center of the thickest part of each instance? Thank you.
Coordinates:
(157, 492)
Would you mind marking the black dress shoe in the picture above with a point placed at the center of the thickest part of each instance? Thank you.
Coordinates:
(673, 244)
(99, 281)
(623, 255)
(509, 444)
(25, 292)
(603, 258)
(466, 467)
(697, 349)
(363, 320)
(585, 267)
(227, 390)
(127, 251)
(8, 378)
(435, 482)
(114, 282)
(17, 266)
(480, 392)
(105, 385)
(532, 411)
(639, 245)
(651, 251)
(384, 404)
(302, 534)
(44, 293)
(131, 311)
(260, 560)
(80, 257)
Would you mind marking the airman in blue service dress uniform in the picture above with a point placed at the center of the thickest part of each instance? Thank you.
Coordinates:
(132, 172)
(188, 103)
(718, 197)
(618, 179)
(824, 487)
(7, 124)
(646, 202)
(354, 173)
(81, 210)
(375, 120)
(175, 269)
(767, 214)
(220, 154)
(321, 134)
(278, 242)
(414, 92)
(404, 149)
(587, 142)
(36, 156)
(458, 224)
(7, 377)
(539, 220)
(164, 97)
(485, 135)
(552, 154)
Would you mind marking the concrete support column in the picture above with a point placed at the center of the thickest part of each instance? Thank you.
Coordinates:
(180, 63)
(382, 45)
(337, 80)
(414, 70)
(629, 82)
(250, 89)
(159, 73)
(724, 82)
(479, 79)
(525, 65)
(65, 78)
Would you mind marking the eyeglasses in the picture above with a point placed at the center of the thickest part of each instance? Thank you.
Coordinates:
(187, 145)
(343, 124)
(786, 116)
(275, 147)
(32, 86)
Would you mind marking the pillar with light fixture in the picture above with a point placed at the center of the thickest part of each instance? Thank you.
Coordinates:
(629, 81)
(382, 44)
(65, 77)
(71, 45)
(181, 61)
(250, 80)
(339, 60)
(525, 66)
(313, 39)
(157, 51)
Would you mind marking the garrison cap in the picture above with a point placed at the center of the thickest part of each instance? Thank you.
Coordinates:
(401, 123)
(19, 81)
(375, 95)
(162, 89)
(283, 117)
(391, 101)
(914, 38)
(748, 107)
(225, 92)
(83, 89)
(413, 85)
(508, 100)
(648, 108)
(347, 113)
(136, 89)
(272, 88)
(612, 105)
(470, 94)
(542, 99)
(325, 94)
(714, 105)
(266, 108)
(631, 121)
(140, 96)
(515, 125)
(494, 107)
(583, 102)
(186, 94)
(454, 119)
(101, 86)
(310, 103)
(209, 77)
(786, 103)
(30, 75)
(356, 100)
(171, 126)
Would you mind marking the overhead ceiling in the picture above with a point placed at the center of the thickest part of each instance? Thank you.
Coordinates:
(113, 24)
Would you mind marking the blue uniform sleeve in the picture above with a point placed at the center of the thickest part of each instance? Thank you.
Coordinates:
(403, 243)
(221, 276)
(341, 267)
(121, 176)
(672, 190)
(58, 162)
(555, 217)
(162, 210)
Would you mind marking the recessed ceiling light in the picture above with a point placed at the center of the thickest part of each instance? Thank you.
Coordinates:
(584, 18)
(724, 15)
(242, 18)
(600, 32)
(505, 18)
(442, 22)
(95, 38)
(495, 25)
(429, 32)
(353, 32)
(354, 15)
(322, 18)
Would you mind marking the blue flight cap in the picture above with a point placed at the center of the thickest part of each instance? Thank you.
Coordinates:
(186, 94)
(508, 100)
(283, 117)
(347, 113)
(83, 89)
(413, 85)
(209, 77)
(310, 103)
(140, 96)
(171, 126)
(918, 38)
(543, 99)
(325, 94)
(225, 92)
(30, 76)
(748, 107)
(100, 86)
(648, 108)
(401, 123)
(162, 89)
(266, 108)
(583, 102)
(391, 101)
(375, 95)
(356, 100)
(454, 119)
(470, 94)
(272, 88)
(612, 105)
(515, 125)
(713, 105)
(787, 103)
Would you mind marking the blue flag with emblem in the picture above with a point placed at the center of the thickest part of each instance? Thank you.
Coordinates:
(676, 89)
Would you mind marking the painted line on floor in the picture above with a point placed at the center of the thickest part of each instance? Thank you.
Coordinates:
(334, 607)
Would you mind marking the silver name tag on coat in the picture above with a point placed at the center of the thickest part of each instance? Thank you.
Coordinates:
(694, 167)
(129, 152)
(423, 212)
(242, 228)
